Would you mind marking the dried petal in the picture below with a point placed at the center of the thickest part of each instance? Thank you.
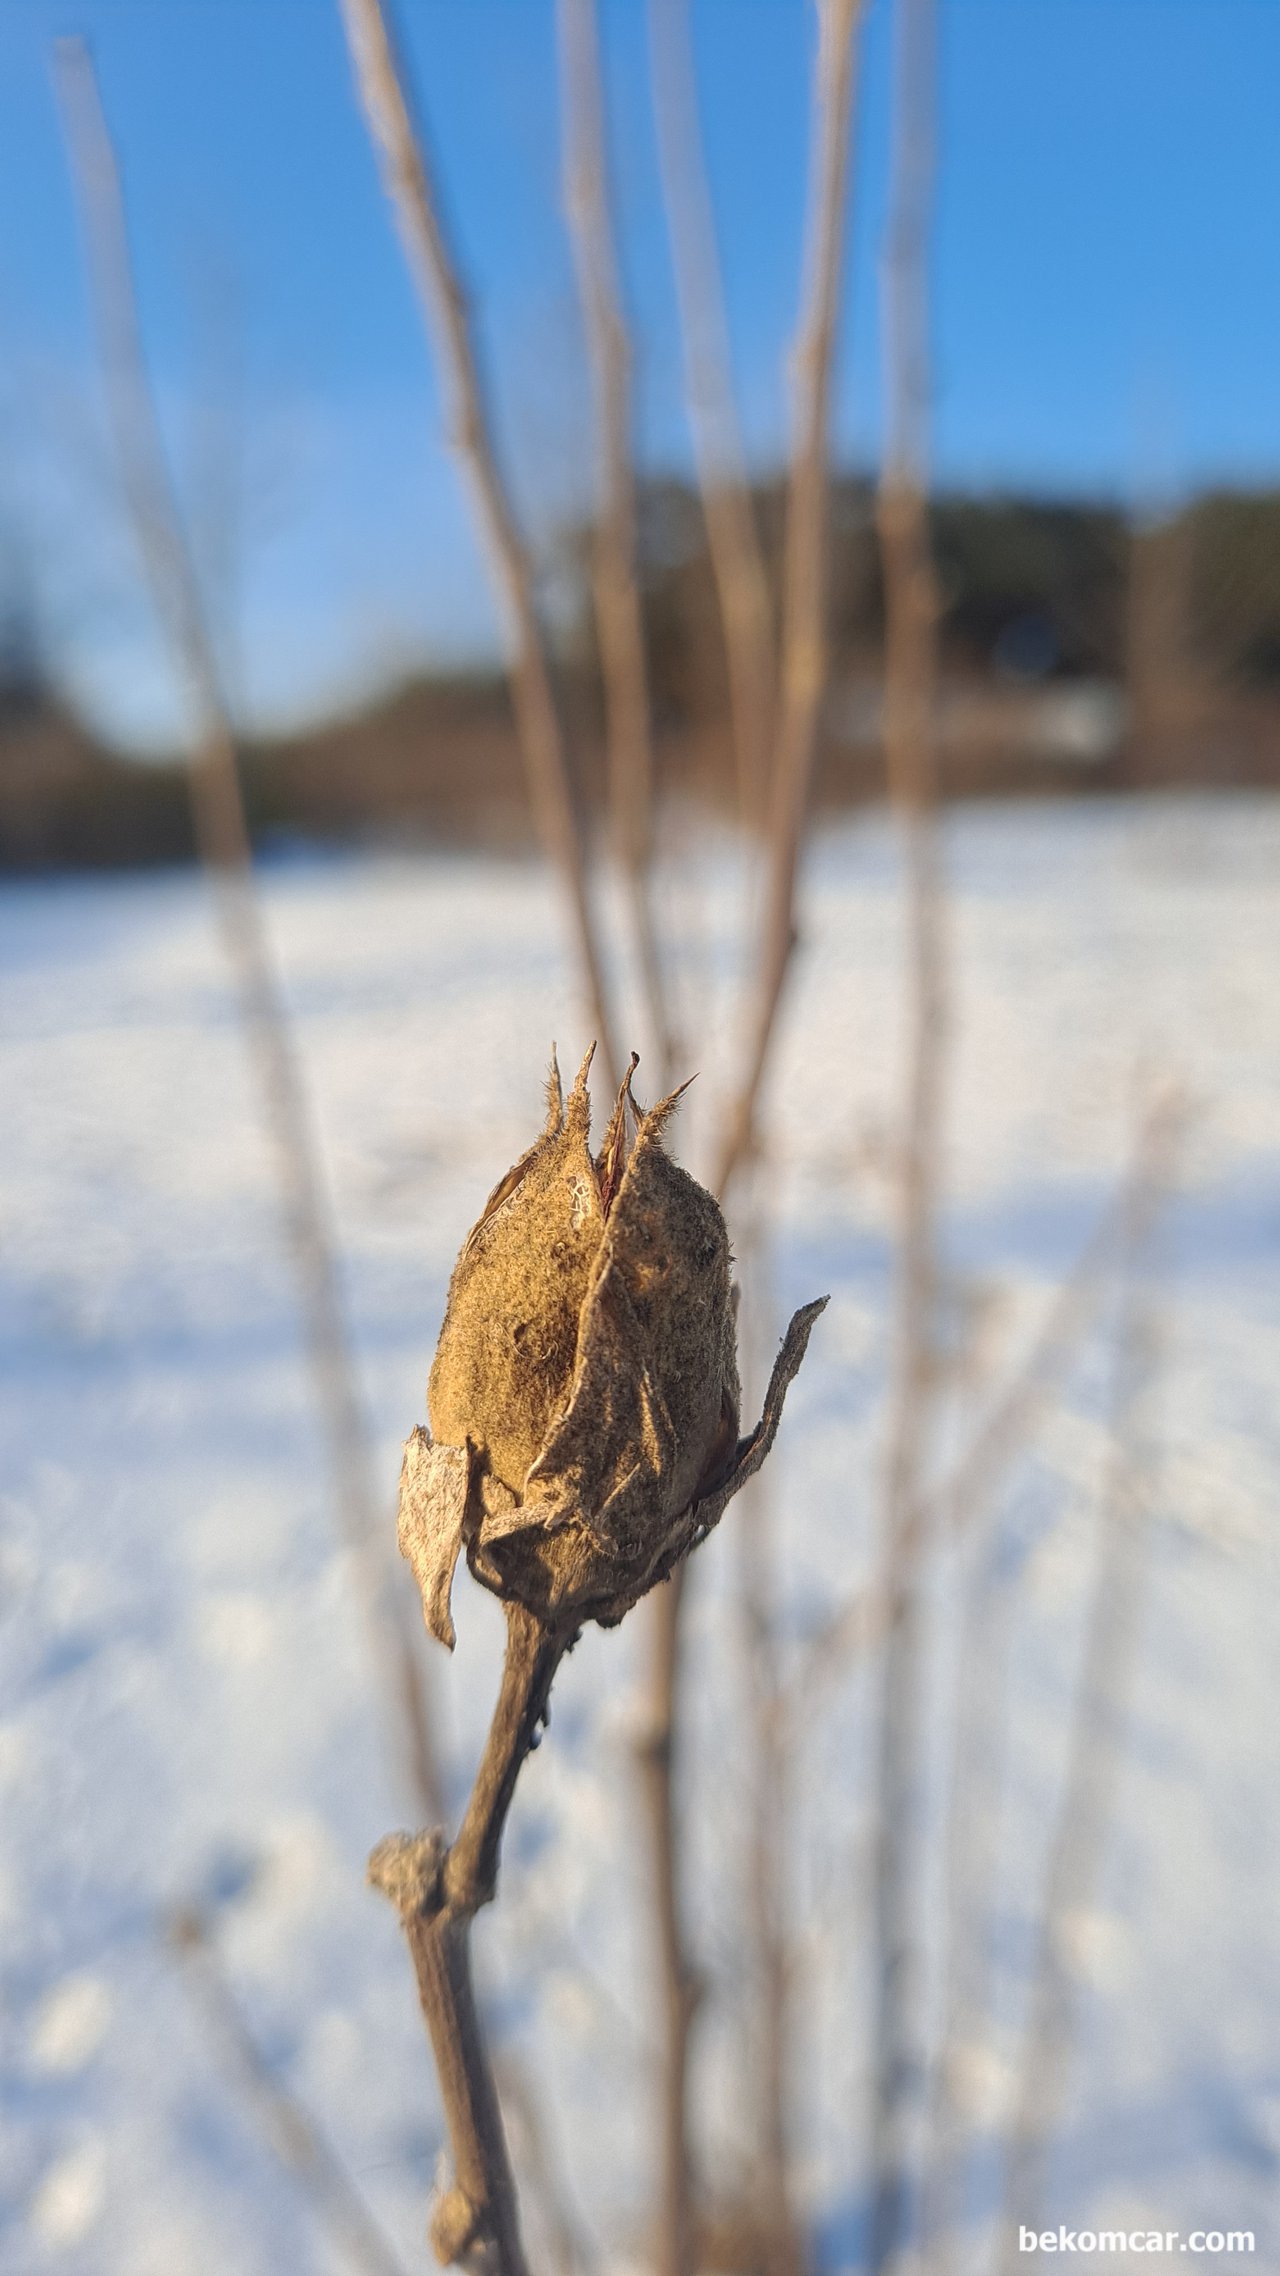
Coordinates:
(655, 1384)
(696, 1522)
(506, 1351)
(435, 1484)
(614, 1446)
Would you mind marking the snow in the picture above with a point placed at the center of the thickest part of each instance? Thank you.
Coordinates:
(186, 1714)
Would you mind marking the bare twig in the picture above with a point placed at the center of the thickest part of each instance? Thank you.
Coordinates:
(781, 2242)
(773, 1736)
(737, 561)
(659, 1764)
(437, 1890)
(1078, 1842)
(617, 591)
(630, 735)
(572, 2251)
(972, 1810)
(537, 1920)
(1165, 684)
(910, 616)
(968, 1488)
(223, 840)
(410, 185)
(802, 680)
(970, 1857)
(294, 2134)
(804, 597)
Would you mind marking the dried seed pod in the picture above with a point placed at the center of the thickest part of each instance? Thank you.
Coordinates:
(584, 1395)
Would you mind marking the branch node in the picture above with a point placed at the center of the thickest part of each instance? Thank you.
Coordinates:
(408, 1868)
(456, 2228)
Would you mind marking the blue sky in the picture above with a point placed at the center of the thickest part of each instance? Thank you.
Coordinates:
(1107, 302)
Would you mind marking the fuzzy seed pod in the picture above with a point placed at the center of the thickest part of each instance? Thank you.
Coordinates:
(584, 1395)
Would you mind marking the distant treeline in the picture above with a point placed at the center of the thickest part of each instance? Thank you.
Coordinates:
(1170, 632)
(1029, 587)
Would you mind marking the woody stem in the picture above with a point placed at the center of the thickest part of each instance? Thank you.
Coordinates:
(437, 1891)
(534, 1652)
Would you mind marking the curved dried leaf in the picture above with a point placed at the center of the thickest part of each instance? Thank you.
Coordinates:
(753, 1449)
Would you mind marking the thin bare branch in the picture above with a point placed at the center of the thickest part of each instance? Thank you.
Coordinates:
(617, 592)
(970, 1865)
(1078, 1842)
(773, 1736)
(618, 614)
(973, 1480)
(223, 840)
(295, 2136)
(737, 560)
(970, 1487)
(572, 2251)
(910, 673)
(437, 1889)
(410, 185)
(657, 1750)
(959, 1499)
(1165, 682)
(972, 1813)
(802, 680)
(804, 598)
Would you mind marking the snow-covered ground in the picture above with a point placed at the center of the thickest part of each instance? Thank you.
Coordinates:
(185, 1707)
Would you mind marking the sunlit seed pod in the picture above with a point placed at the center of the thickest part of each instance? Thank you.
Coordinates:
(584, 1398)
